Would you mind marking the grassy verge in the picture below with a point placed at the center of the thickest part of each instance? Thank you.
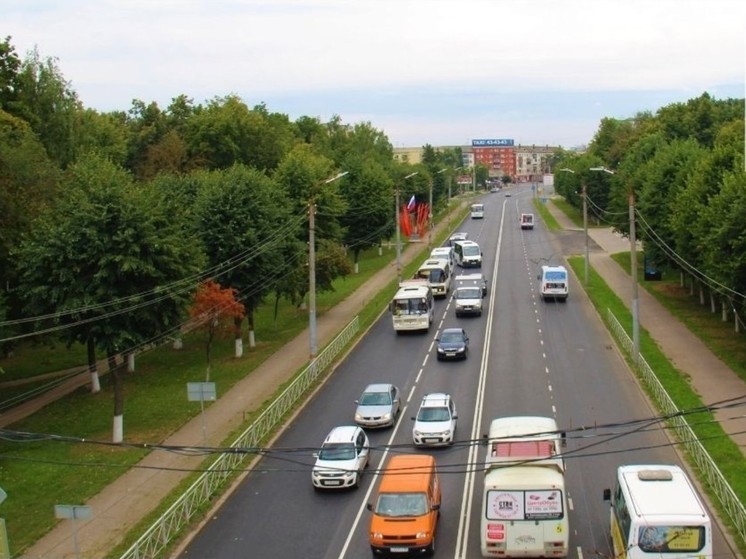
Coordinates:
(726, 454)
(40, 473)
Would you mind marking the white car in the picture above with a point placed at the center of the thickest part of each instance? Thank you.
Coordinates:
(458, 236)
(435, 422)
(342, 458)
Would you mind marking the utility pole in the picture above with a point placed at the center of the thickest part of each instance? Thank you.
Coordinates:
(585, 229)
(398, 236)
(633, 271)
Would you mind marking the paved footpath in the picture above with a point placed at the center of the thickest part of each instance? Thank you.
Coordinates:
(712, 379)
(123, 503)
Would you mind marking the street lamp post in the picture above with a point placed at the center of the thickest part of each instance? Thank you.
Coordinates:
(585, 226)
(430, 214)
(633, 272)
(398, 231)
(312, 270)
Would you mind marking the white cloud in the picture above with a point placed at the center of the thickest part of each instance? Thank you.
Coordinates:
(114, 51)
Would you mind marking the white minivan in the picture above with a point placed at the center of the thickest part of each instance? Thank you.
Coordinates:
(445, 253)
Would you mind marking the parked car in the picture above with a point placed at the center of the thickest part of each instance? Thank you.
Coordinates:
(453, 344)
(435, 422)
(342, 458)
(378, 406)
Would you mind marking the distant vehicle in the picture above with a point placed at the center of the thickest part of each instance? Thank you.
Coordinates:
(378, 406)
(342, 458)
(453, 344)
(554, 283)
(507, 194)
(471, 280)
(412, 306)
(656, 512)
(468, 254)
(437, 273)
(435, 422)
(477, 211)
(495, 189)
(527, 221)
(458, 236)
(444, 252)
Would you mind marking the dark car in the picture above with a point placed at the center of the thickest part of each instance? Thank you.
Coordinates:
(453, 344)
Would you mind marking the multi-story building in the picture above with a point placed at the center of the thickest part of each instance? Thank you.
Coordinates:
(500, 156)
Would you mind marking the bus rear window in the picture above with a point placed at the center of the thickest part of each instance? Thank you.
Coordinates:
(662, 539)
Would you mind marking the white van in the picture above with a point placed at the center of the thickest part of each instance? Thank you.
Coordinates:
(437, 272)
(555, 283)
(477, 211)
(468, 254)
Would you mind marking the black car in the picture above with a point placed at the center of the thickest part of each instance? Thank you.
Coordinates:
(453, 344)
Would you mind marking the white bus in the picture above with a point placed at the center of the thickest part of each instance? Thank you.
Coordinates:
(437, 273)
(524, 505)
(555, 283)
(468, 254)
(412, 306)
(656, 512)
(477, 211)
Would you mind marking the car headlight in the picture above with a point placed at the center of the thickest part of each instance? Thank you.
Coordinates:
(417, 433)
(421, 535)
(358, 416)
(447, 433)
(386, 416)
(376, 536)
(460, 350)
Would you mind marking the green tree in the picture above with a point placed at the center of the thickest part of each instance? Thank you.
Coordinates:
(245, 222)
(10, 65)
(108, 262)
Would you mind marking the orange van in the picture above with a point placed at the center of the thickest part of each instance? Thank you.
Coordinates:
(406, 507)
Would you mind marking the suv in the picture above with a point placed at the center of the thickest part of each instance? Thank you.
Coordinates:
(435, 423)
(342, 458)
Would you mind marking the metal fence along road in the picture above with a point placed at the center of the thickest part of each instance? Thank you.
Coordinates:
(162, 531)
(709, 471)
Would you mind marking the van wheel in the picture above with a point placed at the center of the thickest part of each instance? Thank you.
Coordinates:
(431, 548)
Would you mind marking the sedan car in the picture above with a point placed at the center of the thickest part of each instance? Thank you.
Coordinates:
(435, 423)
(453, 344)
(342, 458)
(378, 406)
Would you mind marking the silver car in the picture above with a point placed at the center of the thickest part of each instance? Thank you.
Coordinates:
(378, 406)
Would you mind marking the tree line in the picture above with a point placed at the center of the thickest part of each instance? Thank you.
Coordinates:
(681, 170)
(110, 221)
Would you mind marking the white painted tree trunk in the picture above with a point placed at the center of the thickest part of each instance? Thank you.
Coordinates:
(130, 362)
(357, 267)
(118, 430)
(239, 348)
(178, 343)
(95, 382)
(252, 340)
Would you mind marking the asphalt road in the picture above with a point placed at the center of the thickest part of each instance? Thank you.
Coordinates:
(527, 357)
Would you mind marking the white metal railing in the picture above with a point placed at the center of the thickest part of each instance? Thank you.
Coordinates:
(161, 532)
(714, 479)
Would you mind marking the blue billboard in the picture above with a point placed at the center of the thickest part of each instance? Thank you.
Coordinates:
(492, 143)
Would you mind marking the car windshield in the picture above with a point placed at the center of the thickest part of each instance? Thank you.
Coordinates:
(434, 414)
(401, 504)
(469, 293)
(337, 451)
(451, 337)
(375, 399)
(471, 250)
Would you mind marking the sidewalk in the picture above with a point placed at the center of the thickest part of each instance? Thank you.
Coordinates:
(140, 490)
(710, 378)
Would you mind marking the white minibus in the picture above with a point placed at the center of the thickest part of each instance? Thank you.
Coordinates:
(555, 283)
(656, 512)
(477, 211)
(468, 254)
(437, 272)
(412, 306)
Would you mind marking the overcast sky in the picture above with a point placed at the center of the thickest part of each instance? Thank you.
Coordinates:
(441, 72)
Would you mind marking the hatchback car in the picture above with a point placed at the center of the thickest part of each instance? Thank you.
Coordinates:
(342, 458)
(453, 344)
(378, 406)
(435, 422)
